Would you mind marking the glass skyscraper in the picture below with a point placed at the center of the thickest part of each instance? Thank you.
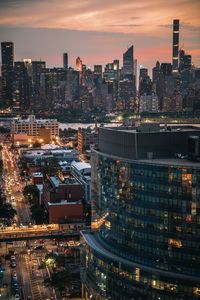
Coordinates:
(7, 59)
(145, 242)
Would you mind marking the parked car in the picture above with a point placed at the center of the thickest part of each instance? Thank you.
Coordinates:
(13, 264)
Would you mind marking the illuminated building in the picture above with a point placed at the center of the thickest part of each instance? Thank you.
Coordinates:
(175, 49)
(145, 215)
(33, 126)
(22, 85)
(7, 60)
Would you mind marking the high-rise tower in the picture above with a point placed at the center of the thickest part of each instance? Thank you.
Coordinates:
(7, 58)
(175, 50)
(128, 69)
(65, 60)
(128, 62)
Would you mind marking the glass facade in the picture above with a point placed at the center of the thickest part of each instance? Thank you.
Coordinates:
(146, 239)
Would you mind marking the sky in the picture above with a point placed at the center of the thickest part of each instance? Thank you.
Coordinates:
(99, 31)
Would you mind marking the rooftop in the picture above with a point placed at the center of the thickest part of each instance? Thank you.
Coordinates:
(81, 165)
(38, 174)
(63, 202)
(55, 181)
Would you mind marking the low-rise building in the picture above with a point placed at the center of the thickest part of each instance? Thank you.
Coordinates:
(63, 199)
(41, 129)
(86, 139)
(82, 171)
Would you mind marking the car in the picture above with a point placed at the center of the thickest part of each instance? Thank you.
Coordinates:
(14, 285)
(14, 276)
(13, 264)
(40, 247)
(12, 258)
(17, 297)
(14, 273)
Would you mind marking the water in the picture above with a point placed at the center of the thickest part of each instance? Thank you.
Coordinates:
(84, 125)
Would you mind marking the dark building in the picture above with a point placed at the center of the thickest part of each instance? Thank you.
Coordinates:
(98, 70)
(156, 72)
(145, 83)
(22, 86)
(7, 60)
(65, 61)
(128, 62)
(184, 61)
(175, 48)
(146, 233)
(38, 70)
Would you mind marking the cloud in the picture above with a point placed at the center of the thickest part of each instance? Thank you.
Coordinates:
(124, 25)
(16, 3)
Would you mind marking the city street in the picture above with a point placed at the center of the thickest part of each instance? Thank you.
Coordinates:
(29, 277)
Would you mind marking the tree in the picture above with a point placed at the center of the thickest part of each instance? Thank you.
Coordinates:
(7, 211)
(60, 280)
(39, 214)
(31, 193)
(54, 260)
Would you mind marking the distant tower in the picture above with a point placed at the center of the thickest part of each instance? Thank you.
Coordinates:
(7, 59)
(65, 60)
(79, 64)
(128, 62)
(175, 50)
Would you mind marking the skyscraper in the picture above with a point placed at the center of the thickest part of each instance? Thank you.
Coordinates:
(175, 50)
(128, 62)
(7, 58)
(128, 71)
(65, 60)
(22, 85)
(145, 212)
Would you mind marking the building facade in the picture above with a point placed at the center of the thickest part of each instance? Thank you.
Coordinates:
(146, 218)
(7, 59)
(32, 126)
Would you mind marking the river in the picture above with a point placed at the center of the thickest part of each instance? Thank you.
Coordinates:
(63, 126)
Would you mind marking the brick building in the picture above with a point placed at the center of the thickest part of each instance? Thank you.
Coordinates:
(63, 199)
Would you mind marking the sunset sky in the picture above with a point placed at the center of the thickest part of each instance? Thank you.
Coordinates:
(99, 30)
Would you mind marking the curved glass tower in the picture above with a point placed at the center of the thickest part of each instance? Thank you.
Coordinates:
(145, 242)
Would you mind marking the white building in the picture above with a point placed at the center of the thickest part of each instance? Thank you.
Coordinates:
(82, 171)
(32, 126)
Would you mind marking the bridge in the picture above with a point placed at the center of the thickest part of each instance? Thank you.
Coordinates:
(52, 231)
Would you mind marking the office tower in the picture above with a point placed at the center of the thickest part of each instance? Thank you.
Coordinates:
(128, 69)
(156, 72)
(145, 216)
(7, 60)
(98, 70)
(54, 85)
(145, 83)
(184, 61)
(38, 70)
(73, 85)
(111, 71)
(166, 69)
(22, 85)
(65, 60)
(128, 63)
(175, 49)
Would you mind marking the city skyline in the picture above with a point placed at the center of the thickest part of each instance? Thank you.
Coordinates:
(99, 32)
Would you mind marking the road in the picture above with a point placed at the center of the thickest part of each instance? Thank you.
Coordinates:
(30, 279)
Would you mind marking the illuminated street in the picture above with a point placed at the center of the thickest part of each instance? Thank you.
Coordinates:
(30, 278)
